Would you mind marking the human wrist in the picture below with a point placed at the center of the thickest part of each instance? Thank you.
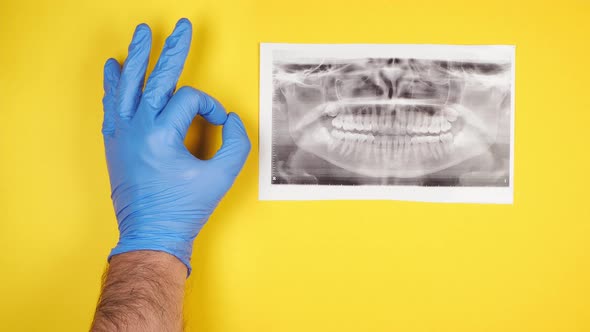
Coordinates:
(159, 262)
(177, 248)
(138, 285)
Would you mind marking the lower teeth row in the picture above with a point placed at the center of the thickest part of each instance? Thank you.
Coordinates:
(391, 148)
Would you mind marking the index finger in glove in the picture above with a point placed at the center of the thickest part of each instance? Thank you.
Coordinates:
(235, 147)
(186, 104)
(162, 81)
(112, 74)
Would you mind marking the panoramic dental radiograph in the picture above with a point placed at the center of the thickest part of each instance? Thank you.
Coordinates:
(390, 121)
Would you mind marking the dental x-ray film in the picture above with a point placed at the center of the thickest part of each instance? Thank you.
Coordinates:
(405, 122)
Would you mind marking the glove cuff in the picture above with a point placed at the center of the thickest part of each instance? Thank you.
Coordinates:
(183, 253)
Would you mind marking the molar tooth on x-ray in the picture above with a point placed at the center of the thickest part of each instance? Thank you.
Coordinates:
(391, 120)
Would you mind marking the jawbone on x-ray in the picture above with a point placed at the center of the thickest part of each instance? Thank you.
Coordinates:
(391, 121)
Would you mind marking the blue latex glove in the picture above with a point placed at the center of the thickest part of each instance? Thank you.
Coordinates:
(162, 194)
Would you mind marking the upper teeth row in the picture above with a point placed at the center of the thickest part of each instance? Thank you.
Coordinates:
(402, 122)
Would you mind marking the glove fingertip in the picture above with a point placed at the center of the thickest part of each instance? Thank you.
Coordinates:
(184, 21)
(235, 121)
(142, 29)
(236, 144)
(211, 109)
(111, 62)
(112, 73)
(235, 117)
(234, 128)
(218, 115)
(141, 40)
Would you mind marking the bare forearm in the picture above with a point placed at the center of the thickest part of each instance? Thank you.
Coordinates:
(143, 291)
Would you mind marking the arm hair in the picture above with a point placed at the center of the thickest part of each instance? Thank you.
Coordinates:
(142, 291)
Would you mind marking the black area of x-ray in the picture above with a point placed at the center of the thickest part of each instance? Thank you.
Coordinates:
(391, 122)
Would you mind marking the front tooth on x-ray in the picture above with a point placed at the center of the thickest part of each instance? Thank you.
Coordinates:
(369, 120)
(396, 148)
(389, 149)
(376, 147)
(374, 118)
(396, 127)
(392, 143)
(381, 120)
(384, 151)
(401, 120)
(419, 121)
(400, 147)
(422, 118)
(382, 148)
(385, 123)
(412, 150)
(406, 148)
(409, 122)
(426, 124)
(415, 152)
(412, 118)
(377, 153)
(388, 125)
(413, 124)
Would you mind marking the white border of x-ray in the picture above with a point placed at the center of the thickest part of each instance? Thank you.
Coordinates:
(269, 191)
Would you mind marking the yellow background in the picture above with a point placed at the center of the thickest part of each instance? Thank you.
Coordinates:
(297, 266)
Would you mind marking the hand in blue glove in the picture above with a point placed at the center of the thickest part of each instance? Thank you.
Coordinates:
(162, 194)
